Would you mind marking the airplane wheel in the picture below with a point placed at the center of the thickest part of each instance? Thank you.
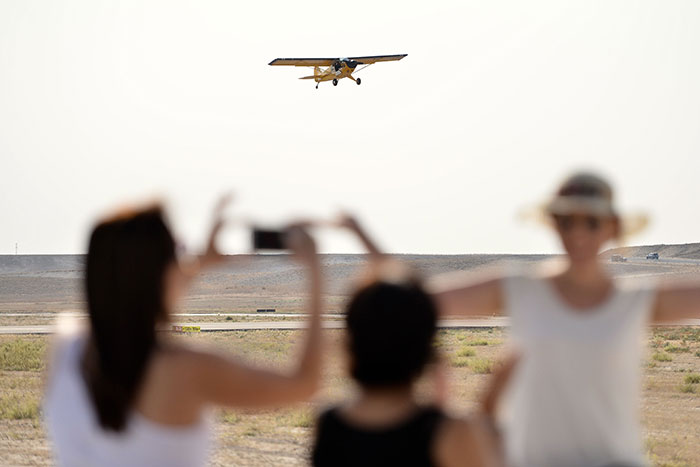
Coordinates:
(335, 82)
(358, 81)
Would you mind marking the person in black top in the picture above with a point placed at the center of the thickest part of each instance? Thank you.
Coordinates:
(391, 324)
(406, 443)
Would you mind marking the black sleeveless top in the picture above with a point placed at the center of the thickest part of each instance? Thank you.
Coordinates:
(340, 444)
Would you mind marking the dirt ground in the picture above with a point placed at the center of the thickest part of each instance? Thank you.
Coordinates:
(670, 406)
(43, 286)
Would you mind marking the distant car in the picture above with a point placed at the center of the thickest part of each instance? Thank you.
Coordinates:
(653, 256)
(618, 259)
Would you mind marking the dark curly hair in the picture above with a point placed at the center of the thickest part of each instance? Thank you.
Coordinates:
(391, 327)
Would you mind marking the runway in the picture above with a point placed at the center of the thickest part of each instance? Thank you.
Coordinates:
(469, 323)
(45, 287)
(495, 322)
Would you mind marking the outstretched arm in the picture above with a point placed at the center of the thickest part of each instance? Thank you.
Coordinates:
(457, 296)
(224, 381)
(675, 302)
(454, 295)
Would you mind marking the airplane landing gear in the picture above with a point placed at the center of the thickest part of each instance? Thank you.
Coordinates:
(316, 85)
(358, 81)
(335, 82)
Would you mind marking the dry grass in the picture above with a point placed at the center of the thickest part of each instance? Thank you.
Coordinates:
(671, 402)
(481, 366)
(466, 352)
(662, 357)
(22, 354)
(672, 348)
(282, 436)
(476, 342)
(692, 379)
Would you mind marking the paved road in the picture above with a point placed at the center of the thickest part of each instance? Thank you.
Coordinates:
(662, 260)
(253, 325)
(41, 314)
(496, 322)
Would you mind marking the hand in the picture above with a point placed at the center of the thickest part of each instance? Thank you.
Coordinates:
(301, 243)
(212, 255)
(348, 221)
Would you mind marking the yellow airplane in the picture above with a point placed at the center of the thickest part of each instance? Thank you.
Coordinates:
(338, 68)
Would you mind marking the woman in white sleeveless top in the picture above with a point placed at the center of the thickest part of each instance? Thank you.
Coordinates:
(121, 394)
(574, 397)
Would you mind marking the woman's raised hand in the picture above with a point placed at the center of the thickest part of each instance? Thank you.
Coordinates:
(348, 221)
(211, 255)
(301, 244)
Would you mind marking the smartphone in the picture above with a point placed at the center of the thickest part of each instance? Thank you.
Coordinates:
(264, 239)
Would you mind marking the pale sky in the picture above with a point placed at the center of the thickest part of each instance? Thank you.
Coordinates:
(105, 102)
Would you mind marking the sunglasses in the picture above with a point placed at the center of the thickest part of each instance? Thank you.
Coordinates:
(568, 222)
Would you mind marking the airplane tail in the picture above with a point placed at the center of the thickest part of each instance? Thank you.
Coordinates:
(317, 73)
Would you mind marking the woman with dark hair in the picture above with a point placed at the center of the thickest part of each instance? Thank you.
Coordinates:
(120, 393)
(391, 326)
(574, 397)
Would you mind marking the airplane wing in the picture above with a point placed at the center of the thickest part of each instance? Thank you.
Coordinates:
(377, 58)
(303, 61)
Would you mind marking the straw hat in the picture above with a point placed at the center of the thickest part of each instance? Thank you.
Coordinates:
(588, 193)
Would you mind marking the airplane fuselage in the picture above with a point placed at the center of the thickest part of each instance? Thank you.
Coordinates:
(338, 71)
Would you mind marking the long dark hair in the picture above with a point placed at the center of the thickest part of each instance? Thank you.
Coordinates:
(127, 258)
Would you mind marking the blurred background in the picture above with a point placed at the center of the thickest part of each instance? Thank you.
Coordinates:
(107, 102)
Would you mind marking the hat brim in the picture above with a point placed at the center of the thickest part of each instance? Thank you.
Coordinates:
(630, 223)
(564, 205)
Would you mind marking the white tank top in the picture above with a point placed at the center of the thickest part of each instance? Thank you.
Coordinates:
(78, 440)
(575, 395)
